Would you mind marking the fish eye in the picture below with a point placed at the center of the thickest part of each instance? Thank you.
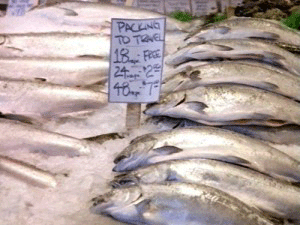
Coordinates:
(119, 158)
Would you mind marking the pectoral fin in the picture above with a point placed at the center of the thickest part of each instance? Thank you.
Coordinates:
(68, 12)
(167, 150)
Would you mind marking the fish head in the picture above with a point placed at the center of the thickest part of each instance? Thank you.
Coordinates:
(119, 203)
(157, 173)
(136, 154)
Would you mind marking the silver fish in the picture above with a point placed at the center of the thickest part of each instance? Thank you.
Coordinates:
(283, 83)
(88, 17)
(65, 45)
(27, 172)
(228, 104)
(67, 72)
(246, 27)
(273, 196)
(41, 101)
(176, 204)
(209, 143)
(18, 135)
(287, 135)
(237, 49)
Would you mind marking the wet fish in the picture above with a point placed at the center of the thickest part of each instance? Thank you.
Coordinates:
(228, 104)
(67, 72)
(273, 196)
(283, 135)
(287, 135)
(246, 27)
(43, 101)
(283, 83)
(18, 135)
(210, 143)
(237, 49)
(88, 17)
(65, 45)
(176, 204)
(26, 172)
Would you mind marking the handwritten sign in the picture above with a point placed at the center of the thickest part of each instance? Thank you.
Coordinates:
(136, 60)
(19, 7)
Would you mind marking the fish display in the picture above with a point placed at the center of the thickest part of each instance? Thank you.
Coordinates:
(236, 49)
(54, 45)
(67, 72)
(27, 172)
(54, 69)
(236, 73)
(176, 203)
(273, 196)
(41, 101)
(246, 27)
(18, 135)
(208, 143)
(228, 104)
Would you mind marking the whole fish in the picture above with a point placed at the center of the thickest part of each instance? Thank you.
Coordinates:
(209, 143)
(67, 72)
(246, 27)
(65, 45)
(176, 204)
(228, 104)
(43, 101)
(283, 83)
(287, 135)
(18, 135)
(237, 49)
(273, 196)
(88, 17)
(26, 172)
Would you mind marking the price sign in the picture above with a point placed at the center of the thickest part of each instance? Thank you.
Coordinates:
(19, 7)
(136, 60)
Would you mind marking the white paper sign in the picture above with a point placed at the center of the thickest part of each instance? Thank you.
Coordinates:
(136, 60)
(177, 5)
(19, 7)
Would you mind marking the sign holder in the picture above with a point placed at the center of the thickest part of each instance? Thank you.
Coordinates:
(133, 110)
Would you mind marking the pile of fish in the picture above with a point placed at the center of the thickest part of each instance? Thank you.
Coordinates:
(54, 66)
(229, 90)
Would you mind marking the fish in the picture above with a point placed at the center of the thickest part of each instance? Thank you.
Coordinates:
(208, 143)
(246, 27)
(237, 49)
(275, 197)
(285, 135)
(27, 173)
(228, 104)
(83, 17)
(44, 101)
(67, 72)
(176, 204)
(19, 135)
(283, 83)
(55, 45)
